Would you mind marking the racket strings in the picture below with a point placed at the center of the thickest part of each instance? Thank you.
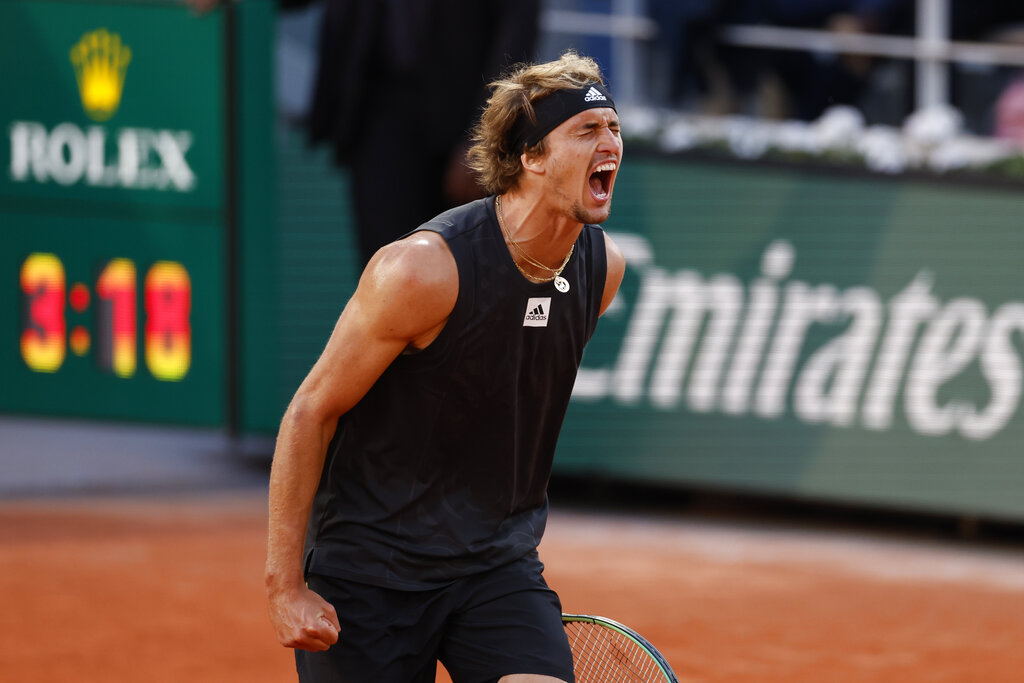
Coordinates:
(601, 655)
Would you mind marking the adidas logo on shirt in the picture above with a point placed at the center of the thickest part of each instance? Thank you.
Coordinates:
(537, 312)
(594, 95)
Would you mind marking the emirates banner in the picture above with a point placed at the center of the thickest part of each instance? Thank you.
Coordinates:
(832, 337)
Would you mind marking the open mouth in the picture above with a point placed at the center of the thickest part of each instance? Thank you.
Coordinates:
(601, 180)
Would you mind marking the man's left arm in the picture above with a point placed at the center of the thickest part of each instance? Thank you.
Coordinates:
(616, 269)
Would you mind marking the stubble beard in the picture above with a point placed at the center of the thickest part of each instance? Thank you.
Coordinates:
(595, 217)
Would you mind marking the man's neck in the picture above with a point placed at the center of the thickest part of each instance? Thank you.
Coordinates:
(544, 231)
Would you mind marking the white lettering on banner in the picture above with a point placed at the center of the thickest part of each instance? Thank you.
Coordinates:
(907, 311)
(738, 349)
(776, 265)
(949, 344)
(842, 362)
(67, 155)
(1002, 368)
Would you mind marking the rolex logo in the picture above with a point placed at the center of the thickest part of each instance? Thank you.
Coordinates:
(100, 60)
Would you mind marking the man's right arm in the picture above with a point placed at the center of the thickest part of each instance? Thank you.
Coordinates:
(403, 300)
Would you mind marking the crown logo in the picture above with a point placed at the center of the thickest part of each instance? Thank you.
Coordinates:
(100, 60)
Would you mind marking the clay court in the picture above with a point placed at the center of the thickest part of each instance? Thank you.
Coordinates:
(167, 587)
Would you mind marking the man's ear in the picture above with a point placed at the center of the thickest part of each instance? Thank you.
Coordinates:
(533, 162)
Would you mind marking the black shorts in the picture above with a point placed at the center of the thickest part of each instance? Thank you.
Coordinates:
(482, 627)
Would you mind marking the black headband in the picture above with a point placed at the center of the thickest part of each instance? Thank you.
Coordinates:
(552, 110)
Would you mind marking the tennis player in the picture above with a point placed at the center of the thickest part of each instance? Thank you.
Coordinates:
(408, 488)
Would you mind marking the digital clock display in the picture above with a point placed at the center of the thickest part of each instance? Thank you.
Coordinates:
(113, 341)
(111, 318)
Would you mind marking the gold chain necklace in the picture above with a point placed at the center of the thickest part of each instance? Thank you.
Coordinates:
(560, 282)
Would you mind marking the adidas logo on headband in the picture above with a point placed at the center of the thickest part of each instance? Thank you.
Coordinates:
(593, 95)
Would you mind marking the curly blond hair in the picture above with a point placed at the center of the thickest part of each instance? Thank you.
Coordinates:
(491, 157)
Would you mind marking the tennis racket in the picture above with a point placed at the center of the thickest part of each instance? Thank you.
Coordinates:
(604, 650)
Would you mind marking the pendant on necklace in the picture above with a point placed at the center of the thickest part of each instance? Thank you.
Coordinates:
(561, 284)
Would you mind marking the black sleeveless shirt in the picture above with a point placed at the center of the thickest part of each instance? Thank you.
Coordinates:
(441, 470)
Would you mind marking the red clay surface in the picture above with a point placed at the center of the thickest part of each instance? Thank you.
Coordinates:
(169, 588)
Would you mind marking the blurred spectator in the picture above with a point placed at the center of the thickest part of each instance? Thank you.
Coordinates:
(1009, 123)
(992, 99)
(812, 82)
(802, 85)
(686, 39)
(399, 86)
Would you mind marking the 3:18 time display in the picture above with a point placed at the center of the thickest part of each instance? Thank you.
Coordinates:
(167, 304)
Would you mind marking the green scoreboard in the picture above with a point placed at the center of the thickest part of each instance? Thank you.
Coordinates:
(118, 220)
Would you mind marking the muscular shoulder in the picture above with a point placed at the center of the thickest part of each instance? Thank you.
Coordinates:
(410, 287)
